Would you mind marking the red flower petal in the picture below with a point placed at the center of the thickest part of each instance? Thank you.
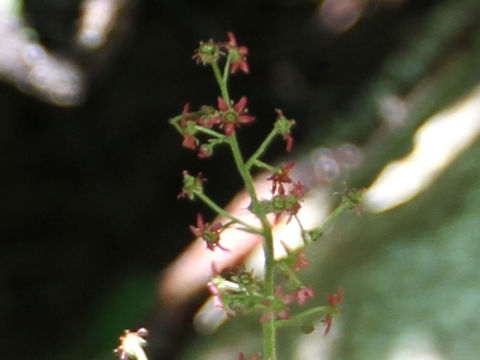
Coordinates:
(241, 104)
(221, 104)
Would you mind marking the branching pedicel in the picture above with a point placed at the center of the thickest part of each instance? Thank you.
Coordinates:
(271, 297)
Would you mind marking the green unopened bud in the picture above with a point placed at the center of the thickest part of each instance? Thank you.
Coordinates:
(291, 202)
(352, 198)
(283, 125)
(191, 185)
(278, 203)
(207, 53)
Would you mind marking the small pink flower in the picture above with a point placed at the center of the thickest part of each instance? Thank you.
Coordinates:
(239, 55)
(281, 177)
(303, 294)
(211, 234)
(301, 261)
(232, 116)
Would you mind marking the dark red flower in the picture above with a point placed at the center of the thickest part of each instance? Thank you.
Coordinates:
(289, 141)
(238, 53)
(335, 299)
(297, 189)
(211, 234)
(328, 324)
(187, 128)
(189, 141)
(232, 116)
(286, 204)
(281, 177)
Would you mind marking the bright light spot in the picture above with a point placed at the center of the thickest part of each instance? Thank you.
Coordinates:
(437, 144)
(340, 15)
(414, 346)
(96, 22)
(394, 111)
(315, 346)
(209, 318)
(29, 66)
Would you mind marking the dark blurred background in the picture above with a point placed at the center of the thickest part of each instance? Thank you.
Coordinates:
(91, 168)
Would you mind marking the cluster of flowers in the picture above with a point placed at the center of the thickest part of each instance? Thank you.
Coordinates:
(283, 201)
(243, 293)
(226, 116)
(240, 292)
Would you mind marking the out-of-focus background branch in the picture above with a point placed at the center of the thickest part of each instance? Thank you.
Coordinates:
(91, 169)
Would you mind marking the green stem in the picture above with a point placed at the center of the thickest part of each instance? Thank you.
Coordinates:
(174, 121)
(210, 203)
(221, 83)
(210, 132)
(226, 69)
(315, 234)
(269, 332)
(268, 327)
(262, 165)
(323, 310)
(261, 149)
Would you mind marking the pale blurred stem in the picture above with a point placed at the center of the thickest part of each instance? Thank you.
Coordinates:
(290, 273)
(212, 205)
(319, 310)
(316, 233)
(261, 149)
(268, 327)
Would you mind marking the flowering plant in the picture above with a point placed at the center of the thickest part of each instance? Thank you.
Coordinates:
(272, 296)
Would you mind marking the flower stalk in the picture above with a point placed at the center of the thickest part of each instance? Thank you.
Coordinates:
(242, 292)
